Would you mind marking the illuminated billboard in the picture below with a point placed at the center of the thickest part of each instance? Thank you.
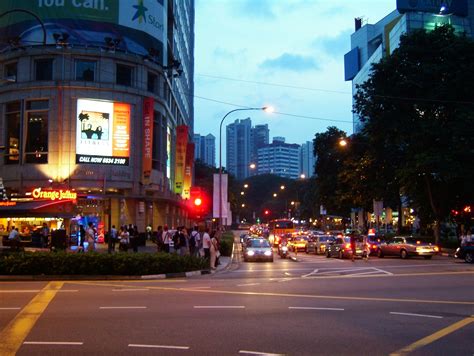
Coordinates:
(138, 24)
(102, 132)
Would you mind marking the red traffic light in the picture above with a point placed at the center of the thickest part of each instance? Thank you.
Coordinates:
(267, 212)
(197, 202)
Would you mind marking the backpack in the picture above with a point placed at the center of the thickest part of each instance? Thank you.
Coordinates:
(192, 239)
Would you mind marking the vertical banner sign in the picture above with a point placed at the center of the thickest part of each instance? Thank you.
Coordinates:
(215, 197)
(181, 143)
(188, 170)
(147, 136)
(121, 130)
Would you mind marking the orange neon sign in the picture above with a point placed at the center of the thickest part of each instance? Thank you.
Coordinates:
(7, 203)
(53, 194)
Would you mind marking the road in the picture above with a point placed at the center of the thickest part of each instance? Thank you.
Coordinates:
(311, 306)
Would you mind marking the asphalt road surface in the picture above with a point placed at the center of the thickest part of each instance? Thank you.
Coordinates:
(308, 306)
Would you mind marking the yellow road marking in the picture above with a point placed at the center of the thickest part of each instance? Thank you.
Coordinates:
(17, 330)
(286, 295)
(433, 337)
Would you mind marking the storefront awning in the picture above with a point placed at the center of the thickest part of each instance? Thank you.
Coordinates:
(42, 208)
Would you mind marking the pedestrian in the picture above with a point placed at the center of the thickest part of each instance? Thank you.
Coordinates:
(366, 252)
(193, 242)
(206, 243)
(45, 235)
(353, 245)
(136, 236)
(166, 239)
(159, 239)
(82, 237)
(213, 250)
(124, 239)
(14, 239)
(149, 232)
(112, 239)
(90, 237)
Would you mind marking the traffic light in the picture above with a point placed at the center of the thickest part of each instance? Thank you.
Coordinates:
(267, 212)
(198, 203)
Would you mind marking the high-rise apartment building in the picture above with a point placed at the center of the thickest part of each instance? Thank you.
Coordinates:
(259, 137)
(307, 159)
(371, 42)
(96, 106)
(238, 148)
(279, 158)
(205, 149)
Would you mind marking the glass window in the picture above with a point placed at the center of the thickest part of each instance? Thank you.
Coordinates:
(44, 69)
(36, 132)
(151, 82)
(124, 75)
(10, 71)
(85, 70)
(12, 118)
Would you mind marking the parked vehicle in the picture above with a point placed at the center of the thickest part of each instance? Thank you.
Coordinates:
(465, 252)
(258, 249)
(405, 246)
(341, 248)
(318, 244)
(374, 242)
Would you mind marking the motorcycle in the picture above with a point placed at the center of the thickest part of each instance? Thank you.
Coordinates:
(283, 251)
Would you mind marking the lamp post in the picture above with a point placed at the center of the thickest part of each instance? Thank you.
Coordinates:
(265, 108)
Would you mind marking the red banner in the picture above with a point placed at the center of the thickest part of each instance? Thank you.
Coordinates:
(148, 104)
(188, 170)
(181, 143)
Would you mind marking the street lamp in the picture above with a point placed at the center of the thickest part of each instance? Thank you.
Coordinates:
(268, 109)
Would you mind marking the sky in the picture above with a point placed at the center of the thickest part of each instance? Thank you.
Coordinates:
(288, 54)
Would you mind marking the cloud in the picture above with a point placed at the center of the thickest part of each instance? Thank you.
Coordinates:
(291, 62)
(261, 9)
(335, 46)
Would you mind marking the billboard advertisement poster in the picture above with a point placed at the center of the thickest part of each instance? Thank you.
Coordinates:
(139, 24)
(181, 143)
(188, 170)
(102, 132)
(147, 136)
(215, 197)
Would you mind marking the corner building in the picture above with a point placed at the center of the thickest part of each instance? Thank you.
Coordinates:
(96, 98)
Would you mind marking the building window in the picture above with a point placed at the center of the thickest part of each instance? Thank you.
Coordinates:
(152, 82)
(37, 131)
(85, 70)
(12, 121)
(124, 75)
(10, 72)
(44, 69)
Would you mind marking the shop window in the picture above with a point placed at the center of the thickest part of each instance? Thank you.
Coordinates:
(36, 149)
(10, 72)
(152, 82)
(44, 69)
(124, 75)
(85, 70)
(12, 121)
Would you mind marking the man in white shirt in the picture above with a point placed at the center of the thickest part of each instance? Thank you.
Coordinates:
(206, 243)
(166, 239)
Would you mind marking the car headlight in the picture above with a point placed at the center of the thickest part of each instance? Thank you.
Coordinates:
(284, 248)
(268, 253)
(250, 253)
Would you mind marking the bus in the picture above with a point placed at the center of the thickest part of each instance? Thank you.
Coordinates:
(278, 228)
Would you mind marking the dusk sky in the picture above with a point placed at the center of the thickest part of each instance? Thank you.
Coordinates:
(285, 53)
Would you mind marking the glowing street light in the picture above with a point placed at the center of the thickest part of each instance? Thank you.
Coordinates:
(282, 187)
(343, 142)
(252, 166)
(275, 195)
(246, 185)
(302, 176)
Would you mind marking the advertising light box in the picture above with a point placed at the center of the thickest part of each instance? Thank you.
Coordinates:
(102, 132)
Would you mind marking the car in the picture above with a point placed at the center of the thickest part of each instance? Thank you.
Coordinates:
(374, 242)
(465, 252)
(406, 246)
(258, 249)
(298, 242)
(341, 247)
(317, 244)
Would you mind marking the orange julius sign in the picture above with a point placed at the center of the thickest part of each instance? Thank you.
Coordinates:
(54, 194)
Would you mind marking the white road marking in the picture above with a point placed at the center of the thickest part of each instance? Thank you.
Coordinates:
(420, 315)
(362, 273)
(258, 353)
(53, 343)
(287, 274)
(315, 308)
(130, 290)
(285, 280)
(309, 274)
(248, 284)
(68, 290)
(122, 307)
(12, 308)
(197, 288)
(219, 307)
(20, 291)
(160, 346)
(383, 271)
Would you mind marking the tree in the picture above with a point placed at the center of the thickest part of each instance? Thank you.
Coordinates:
(417, 108)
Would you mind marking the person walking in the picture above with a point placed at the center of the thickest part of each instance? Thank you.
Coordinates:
(353, 245)
(214, 249)
(193, 242)
(112, 239)
(183, 241)
(90, 237)
(159, 239)
(206, 243)
(166, 239)
(82, 238)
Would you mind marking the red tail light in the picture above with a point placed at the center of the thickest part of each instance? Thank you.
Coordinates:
(348, 246)
(374, 246)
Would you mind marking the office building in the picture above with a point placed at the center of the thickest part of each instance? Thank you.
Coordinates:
(238, 148)
(371, 42)
(259, 137)
(97, 112)
(307, 159)
(279, 158)
(205, 149)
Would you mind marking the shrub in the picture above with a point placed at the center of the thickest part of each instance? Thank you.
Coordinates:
(63, 263)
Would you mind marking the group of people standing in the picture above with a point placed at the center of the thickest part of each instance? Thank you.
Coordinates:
(127, 237)
(199, 242)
